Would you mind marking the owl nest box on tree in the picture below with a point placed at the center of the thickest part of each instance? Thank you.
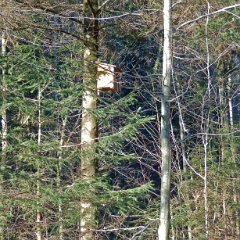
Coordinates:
(107, 78)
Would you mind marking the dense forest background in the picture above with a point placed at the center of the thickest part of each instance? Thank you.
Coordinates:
(43, 65)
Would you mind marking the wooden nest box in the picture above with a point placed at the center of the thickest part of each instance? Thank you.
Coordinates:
(107, 78)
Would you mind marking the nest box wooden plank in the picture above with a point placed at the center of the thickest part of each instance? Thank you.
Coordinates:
(108, 77)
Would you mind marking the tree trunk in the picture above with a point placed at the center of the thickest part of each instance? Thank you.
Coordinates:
(4, 130)
(39, 217)
(89, 121)
(163, 230)
(60, 156)
(233, 151)
(205, 128)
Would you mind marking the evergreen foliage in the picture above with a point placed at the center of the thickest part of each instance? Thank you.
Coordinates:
(40, 169)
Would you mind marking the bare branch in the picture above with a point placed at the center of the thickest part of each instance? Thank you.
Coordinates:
(209, 14)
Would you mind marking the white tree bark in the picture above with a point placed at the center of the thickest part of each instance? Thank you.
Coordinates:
(205, 190)
(39, 217)
(60, 207)
(233, 150)
(205, 127)
(4, 126)
(89, 121)
(4, 89)
(163, 230)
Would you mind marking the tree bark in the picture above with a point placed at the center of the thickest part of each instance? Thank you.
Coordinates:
(163, 230)
(60, 156)
(38, 216)
(89, 121)
(205, 129)
(233, 151)
(4, 129)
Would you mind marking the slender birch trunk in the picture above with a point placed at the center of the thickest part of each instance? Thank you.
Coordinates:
(89, 121)
(38, 216)
(205, 190)
(223, 126)
(4, 89)
(163, 230)
(233, 151)
(60, 210)
(205, 129)
(4, 131)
